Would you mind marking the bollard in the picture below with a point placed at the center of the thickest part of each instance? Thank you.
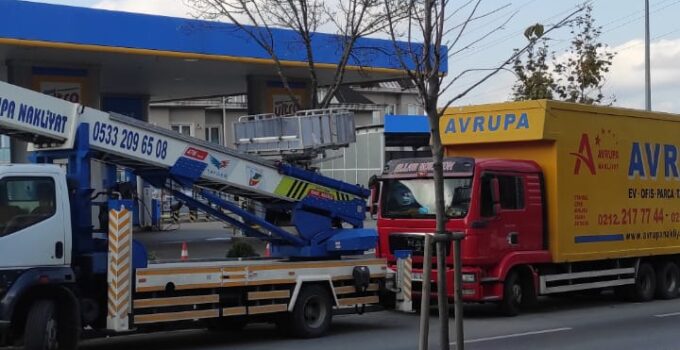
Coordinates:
(119, 274)
(404, 280)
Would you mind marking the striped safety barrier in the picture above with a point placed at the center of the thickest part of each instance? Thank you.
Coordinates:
(406, 285)
(404, 280)
(119, 274)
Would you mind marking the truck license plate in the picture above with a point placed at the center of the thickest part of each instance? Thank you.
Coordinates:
(417, 276)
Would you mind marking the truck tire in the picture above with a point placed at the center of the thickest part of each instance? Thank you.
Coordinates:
(47, 329)
(513, 295)
(667, 280)
(645, 284)
(312, 314)
(41, 327)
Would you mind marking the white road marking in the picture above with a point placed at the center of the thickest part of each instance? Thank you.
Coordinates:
(515, 335)
(198, 240)
(668, 315)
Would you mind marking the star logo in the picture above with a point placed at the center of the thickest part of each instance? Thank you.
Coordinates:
(584, 155)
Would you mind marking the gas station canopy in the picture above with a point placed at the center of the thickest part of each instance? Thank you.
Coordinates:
(172, 58)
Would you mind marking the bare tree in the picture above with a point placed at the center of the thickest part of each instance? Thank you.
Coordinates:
(424, 39)
(258, 19)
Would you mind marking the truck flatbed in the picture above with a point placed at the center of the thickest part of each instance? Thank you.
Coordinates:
(269, 286)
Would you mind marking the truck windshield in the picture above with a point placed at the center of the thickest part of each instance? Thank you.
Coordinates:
(414, 198)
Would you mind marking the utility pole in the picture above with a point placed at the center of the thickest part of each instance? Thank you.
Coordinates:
(648, 79)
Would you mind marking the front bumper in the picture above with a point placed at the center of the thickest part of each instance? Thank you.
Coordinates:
(472, 291)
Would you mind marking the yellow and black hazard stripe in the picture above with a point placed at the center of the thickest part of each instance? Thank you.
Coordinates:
(298, 190)
(341, 196)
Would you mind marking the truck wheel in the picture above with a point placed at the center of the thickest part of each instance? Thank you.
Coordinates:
(312, 314)
(645, 283)
(41, 331)
(513, 295)
(667, 280)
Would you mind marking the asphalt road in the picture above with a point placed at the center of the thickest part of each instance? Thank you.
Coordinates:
(557, 323)
(595, 322)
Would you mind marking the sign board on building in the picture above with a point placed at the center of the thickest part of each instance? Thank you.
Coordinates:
(64, 83)
(280, 101)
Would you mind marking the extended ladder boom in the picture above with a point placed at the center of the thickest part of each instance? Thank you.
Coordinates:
(318, 204)
(51, 123)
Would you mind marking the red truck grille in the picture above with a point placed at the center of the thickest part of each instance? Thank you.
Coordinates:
(414, 243)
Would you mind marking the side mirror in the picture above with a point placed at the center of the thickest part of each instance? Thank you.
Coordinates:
(496, 196)
(374, 199)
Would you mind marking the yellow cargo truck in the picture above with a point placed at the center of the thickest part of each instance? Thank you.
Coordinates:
(552, 197)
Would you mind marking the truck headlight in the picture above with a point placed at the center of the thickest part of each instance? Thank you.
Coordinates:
(469, 278)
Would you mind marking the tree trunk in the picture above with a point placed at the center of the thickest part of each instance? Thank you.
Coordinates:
(438, 174)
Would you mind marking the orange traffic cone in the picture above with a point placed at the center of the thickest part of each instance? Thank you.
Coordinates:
(185, 252)
(268, 250)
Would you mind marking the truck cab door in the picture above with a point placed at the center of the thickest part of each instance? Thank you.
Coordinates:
(490, 224)
(33, 227)
(512, 210)
(502, 208)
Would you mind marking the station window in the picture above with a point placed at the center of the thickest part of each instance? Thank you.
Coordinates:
(212, 134)
(184, 129)
(413, 109)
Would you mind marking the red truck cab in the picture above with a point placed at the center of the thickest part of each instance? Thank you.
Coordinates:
(497, 204)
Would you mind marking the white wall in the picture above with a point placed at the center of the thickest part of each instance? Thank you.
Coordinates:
(214, 116)
(160, 116)
(400, 100)
(198, 118)
(363, 118)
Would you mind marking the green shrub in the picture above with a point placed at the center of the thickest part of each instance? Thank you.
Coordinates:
(241, 249)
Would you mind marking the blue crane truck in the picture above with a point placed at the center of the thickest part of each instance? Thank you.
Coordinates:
(60, 277)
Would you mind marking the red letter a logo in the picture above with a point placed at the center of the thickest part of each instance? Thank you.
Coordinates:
(584, 155)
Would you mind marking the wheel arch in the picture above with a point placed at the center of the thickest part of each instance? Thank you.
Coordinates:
(322, 280)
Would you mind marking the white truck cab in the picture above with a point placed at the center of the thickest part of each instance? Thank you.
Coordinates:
(35, 216)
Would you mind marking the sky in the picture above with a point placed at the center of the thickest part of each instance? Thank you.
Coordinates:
(622, 24)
